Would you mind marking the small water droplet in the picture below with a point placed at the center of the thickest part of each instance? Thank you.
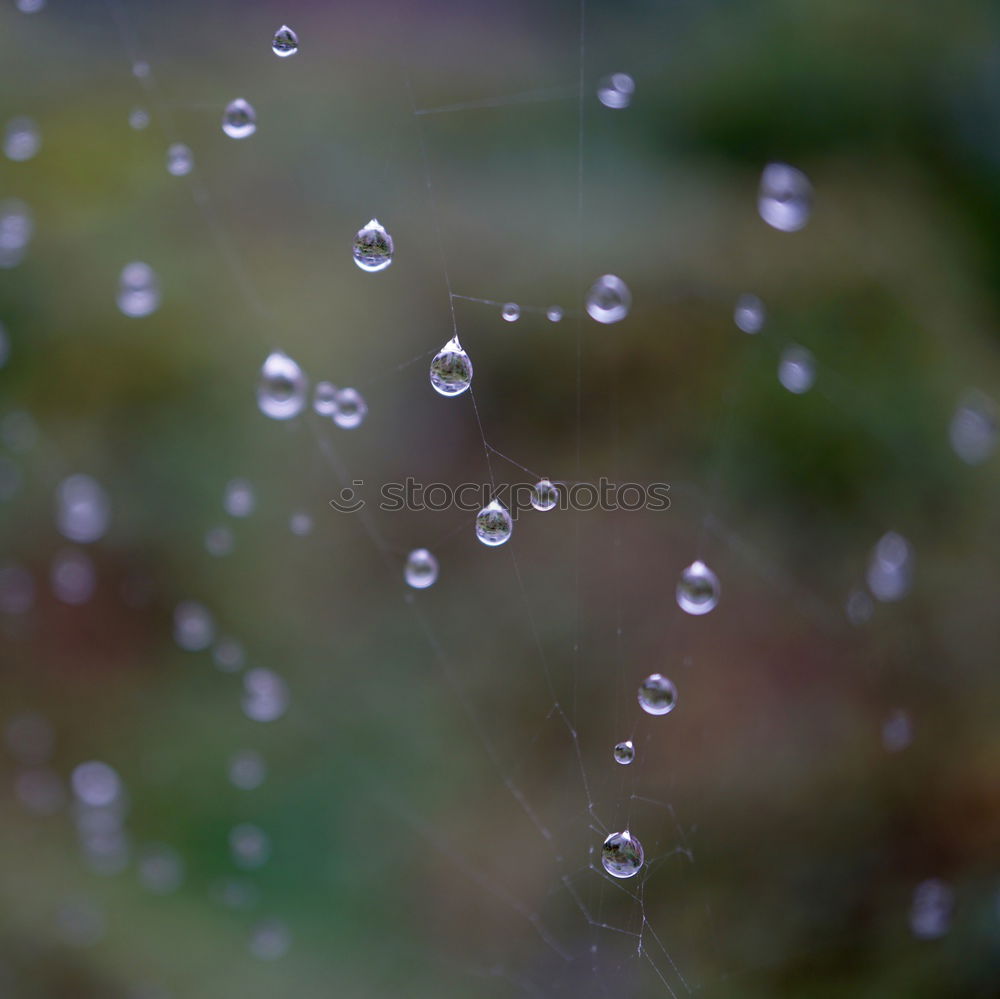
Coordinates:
(615, 91)
(973, 431)
(265, 695)
(544, 495)
(194, 628)
(138, 119)
(511, 312)
(247, 770)
(228, 655)
(554, 313)
(325, 399)
(95, 784)
(451, 369)
(22, 139)
(239, 120)
(270, 940)
(797, 369)
(421, 569)
(140, 70)
(238, 499)
(657, 695)
(138, 290)
(784, 199)
(890, 569)
(218, 541)
(300, 524)
(749, 314)
(285, 42)
(622, 855)
(930, 913)
(250, 846)
(160, 869)
(16, 229)
(351, 409)
(493, 524)
(373, 247)
(697, 589)
(859, 607)
(180, 160)
(897, 731)
(4, 345)
(624, 752)
(83, 509)
(30, 6)
(73, 577)
(609, 299)
(282, 387)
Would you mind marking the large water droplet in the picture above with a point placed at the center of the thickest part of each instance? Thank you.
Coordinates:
(797, 369)
(544, 495)
(21, 139)
(83, 509)
(325, 399)
(697, 589)
(625, 752)
(657, 695)
(180, 160)
(351, 409)
(282, 388)
(749, 314)
(138, 290)
(451, 369)
(421, 569)
(239, 120)
(285, 42)
(622, 855)
(615, 91)
(511, 312)
(973, 431)
(373, 247)
(609, 299)
(493, 524)
(784, 199)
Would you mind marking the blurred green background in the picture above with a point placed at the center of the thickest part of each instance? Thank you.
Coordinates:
(817, 771)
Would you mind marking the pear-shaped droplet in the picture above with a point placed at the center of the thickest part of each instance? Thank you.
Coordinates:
(615, 91)
(285, 42)
(657, 695)
(797, 369)
(749, 314)
(421, 569)
(239, 120)
(624, 752)
(138, 290)
(282, 388)
(373, 248)
(351, 409)
(622, 855)
(511, 312)
(451, 369)
(494, 524)
(784, 199)
(609, 299)
(697, 589)
(325, 399)
(544, 495)
(180, 160)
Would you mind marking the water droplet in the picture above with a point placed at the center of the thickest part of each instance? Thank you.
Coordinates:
(194, 628)
(749, 314)
(239, 499)
(784, 199)
(219, 541)
(609, 299)
(493, 524)
(615, 91)
(140, 70)
(859, 607)
(451, 369)
(239, 120)
(285, 42)
(228, 655)
(544, 495)
(697, 589)
(973, 430)
(351, 409)
(30, 6)
(16, 230)
(270, 940)
(373, 248)
(622, 855)
(657, 695)
(180, 160)
(624, 752)
(249, 845)
(160, 869)
(511, 312)
(265, 695)
(930, 913)
(138, 290)
(554, 313)
(73, 577)
(83, 509)
(797, 369)
(325, 399)
(138, 119)
(421, 569)
(96, 784)
(282, 388)
(897, 731)
(247, 770)
(300, 524)
(21, 139)
(890, 569)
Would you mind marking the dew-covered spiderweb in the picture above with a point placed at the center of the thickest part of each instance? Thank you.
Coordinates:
(689, 689)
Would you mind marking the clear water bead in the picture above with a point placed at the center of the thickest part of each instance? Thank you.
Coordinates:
(351, 409)
(784, 199)
(493, 524)
(451, 369)
(625, 752)
(282, 387)
(749, 314)
(554, 313)
(622, 855)
(797, 369)
(657, 695)
(421, 569)
(609, 299)
(973, 431)
(180, 160)
(544, 495)
(615, 91)
(697, 589)
(138, 290)
(285, 42)
(239, 120)
(511, 312)
(373, 247)
(21, 139)
(325, 399)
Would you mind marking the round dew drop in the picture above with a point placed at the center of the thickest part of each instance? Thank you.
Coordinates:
(511, 312)
(544, 496)
(784, 199)
(281, 390)
(325, 399)
(554, 313)
(285, 42)
(624, 752)
(239, 120)
(697, 589)
(351, 409)
(373, 248)
(421, 569)
(451, 369)
(749, 314)
(657, 695)
(615, 91)
(622, 855)
(493, 524)
(797, 370)
(609, 299)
